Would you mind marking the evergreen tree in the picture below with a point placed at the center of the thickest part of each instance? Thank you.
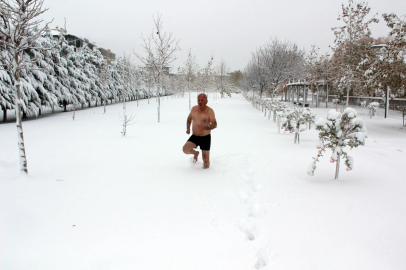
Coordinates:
(19, 27)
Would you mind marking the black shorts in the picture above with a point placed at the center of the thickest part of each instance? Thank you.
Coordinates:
(202, 141)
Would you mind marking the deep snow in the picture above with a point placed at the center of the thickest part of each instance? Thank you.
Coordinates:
(96, 200)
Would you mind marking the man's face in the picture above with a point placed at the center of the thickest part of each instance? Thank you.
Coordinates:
(201, 101)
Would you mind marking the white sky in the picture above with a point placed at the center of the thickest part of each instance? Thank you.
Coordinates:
(228, 29)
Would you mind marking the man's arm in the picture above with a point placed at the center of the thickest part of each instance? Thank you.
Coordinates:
(188, 123)
(213, 121)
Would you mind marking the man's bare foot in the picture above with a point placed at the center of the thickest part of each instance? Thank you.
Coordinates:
(196, 154)
(206, 165)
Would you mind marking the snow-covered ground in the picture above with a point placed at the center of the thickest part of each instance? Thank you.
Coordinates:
(96, 200)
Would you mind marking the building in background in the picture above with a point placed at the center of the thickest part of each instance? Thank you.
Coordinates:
(78, 43)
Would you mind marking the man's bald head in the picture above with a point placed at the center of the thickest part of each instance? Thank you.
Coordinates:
(202, 95)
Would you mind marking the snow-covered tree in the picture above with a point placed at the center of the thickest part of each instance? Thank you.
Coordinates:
(148, 82)
(64, 85)
(19, 27)
(6, 93)
(283, 60)
(386, 67)
(104, 83)
(222, 79)
(272, 64)
(160, 48)
(373, 108)
(189, 72)
(125, 75)
(298, 120)
(205, 76)
(352, 42)
(336, 132)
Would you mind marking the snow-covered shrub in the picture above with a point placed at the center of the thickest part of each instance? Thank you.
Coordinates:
(373, 108)
(298, 120)
(309, 116)
(277, 106)
(281, 116)
(338, 131)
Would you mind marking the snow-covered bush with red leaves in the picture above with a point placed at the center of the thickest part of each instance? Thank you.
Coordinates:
(338, 131)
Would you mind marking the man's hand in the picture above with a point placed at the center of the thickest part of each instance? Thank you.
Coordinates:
(187, 130)
(208, 127)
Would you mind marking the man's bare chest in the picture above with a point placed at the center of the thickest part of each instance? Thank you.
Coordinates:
(201, 117)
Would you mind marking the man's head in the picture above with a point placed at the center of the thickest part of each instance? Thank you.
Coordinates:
(202, 100)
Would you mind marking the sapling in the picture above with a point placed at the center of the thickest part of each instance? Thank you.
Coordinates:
(297, 120)
(126, 122)
(338, 131)
(277, 106)
(335, 102)
(363, 105)
(373, 108)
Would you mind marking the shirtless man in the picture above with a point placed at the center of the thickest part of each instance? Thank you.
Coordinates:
(204, 121)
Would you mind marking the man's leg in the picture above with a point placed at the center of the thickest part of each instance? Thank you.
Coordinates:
(206, 159)
(188, 149)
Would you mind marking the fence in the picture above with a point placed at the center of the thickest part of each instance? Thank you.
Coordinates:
(396, 104)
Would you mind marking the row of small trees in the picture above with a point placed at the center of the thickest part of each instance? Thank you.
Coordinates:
(355, 66)
(336, 132)
(295, 120)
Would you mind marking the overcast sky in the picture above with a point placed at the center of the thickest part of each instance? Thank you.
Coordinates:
(228, 29)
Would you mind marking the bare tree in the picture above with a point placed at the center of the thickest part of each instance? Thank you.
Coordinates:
(258, 72)
(127, 72)
(272, 64)
(282, 60)
(205, 76)
(19, 28)
(189, 72)
(222, 81)
(160, 48)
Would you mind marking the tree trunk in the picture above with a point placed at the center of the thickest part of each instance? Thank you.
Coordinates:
(337, 167)
(304, 96)
(190, 102)
(159, 109)
(4, 114)
(20, 133)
